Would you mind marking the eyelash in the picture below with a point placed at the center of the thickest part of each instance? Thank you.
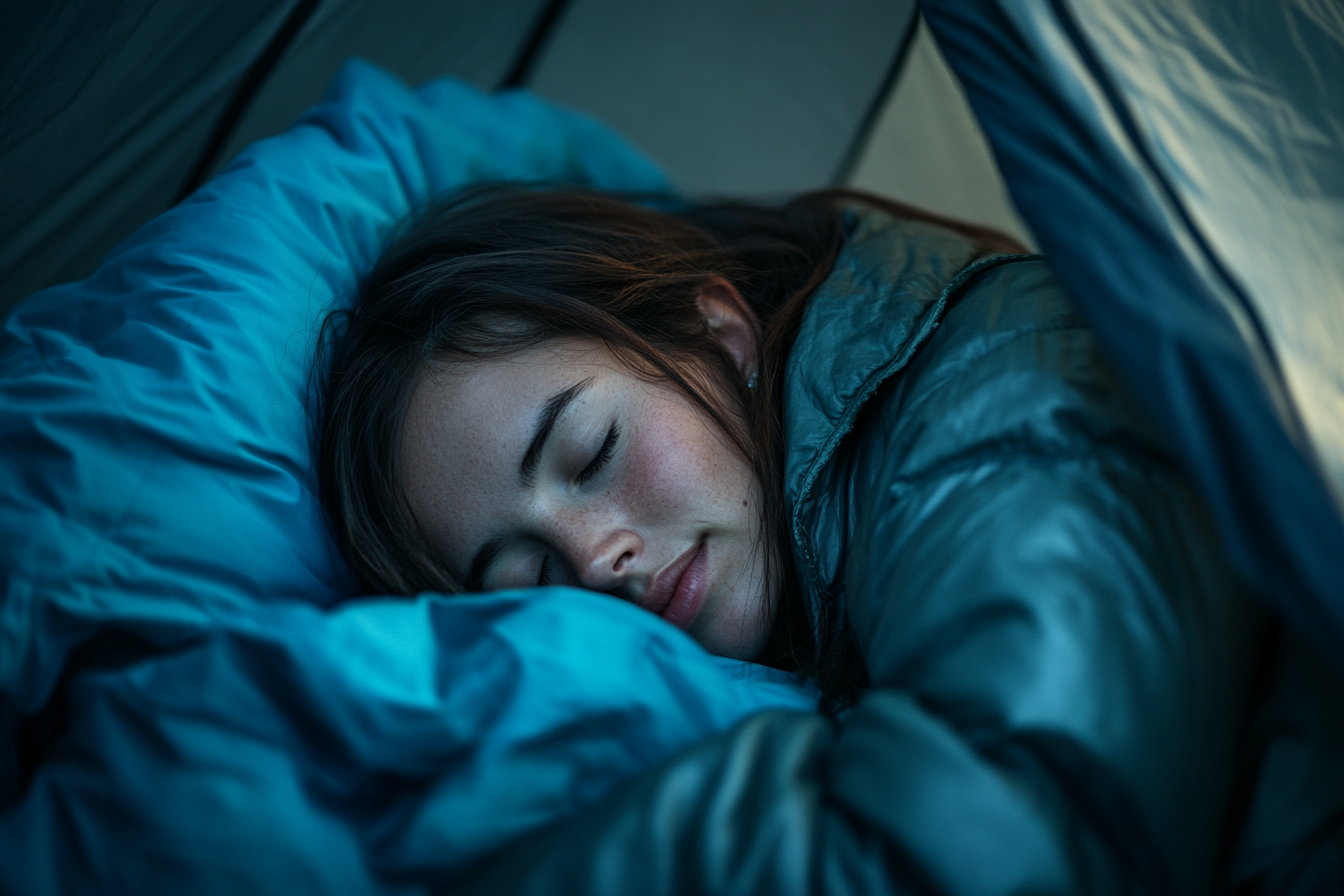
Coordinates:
(587, 473)
(603, 455)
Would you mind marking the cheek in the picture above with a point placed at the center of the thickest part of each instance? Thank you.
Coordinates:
(675, 464)
(658, 476)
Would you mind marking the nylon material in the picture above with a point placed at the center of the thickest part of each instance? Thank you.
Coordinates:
(1112, 175)
(109, 511)
(1056, 470)
(896, 288)
(683, 830)
(1320, 394)
(822, 399)
(1024, 377)
(1296, 737)
(310, 717)
(937, 790)
(419, 41)
(1043, 588)
(1042, 421)
(136, 773)
(1247, 120)
(1145, 282)
(805, 501)
(1040, 637)
(1122, 241)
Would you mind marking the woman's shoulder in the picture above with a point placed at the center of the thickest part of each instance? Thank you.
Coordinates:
(1012, 369)
(962, 354)
(882, 300)
(939, 363)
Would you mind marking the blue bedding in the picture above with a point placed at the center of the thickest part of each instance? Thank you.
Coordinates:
(189, 700)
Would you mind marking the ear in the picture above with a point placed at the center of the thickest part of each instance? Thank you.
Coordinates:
(730, 322)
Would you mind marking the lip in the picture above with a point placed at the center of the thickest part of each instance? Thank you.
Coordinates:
(679, 589)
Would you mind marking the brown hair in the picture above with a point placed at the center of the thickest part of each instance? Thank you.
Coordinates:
(497, 268)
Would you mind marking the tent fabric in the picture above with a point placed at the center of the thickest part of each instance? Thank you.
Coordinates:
(108, 106)
(927, 149)
(1179, 163)
(415, 39)
(104, 107)
(182, 688)
(754, 97)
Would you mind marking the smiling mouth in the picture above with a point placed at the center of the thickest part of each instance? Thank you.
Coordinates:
(680, 590)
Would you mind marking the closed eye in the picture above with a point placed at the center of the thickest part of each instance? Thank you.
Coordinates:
(544, 573)
(603, 455)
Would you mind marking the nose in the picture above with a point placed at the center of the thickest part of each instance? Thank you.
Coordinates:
(605, 559)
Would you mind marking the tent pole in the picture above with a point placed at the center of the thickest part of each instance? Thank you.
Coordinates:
(521, 72)
(247, 88)
(845, 170)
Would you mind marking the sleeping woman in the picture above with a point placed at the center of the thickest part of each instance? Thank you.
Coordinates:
(834, 436)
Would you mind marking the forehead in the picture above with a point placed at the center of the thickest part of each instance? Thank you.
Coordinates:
(467, 400)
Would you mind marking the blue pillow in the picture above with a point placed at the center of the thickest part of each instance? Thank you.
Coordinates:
(232, 723)
(152, 417)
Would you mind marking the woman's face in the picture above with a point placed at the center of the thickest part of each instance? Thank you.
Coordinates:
(558, 465)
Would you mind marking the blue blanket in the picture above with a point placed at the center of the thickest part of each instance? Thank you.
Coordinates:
(189, 700)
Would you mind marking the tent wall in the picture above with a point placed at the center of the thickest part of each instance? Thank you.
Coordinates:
(737, 97)
(104, 105)
(111, 106)
(477, 40)
(743, 97)
(926, 147)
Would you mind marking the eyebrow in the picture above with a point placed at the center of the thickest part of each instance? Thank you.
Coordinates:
(527, 472)
(550, 412)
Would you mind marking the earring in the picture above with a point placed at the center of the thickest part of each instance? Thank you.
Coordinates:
(752, 381)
